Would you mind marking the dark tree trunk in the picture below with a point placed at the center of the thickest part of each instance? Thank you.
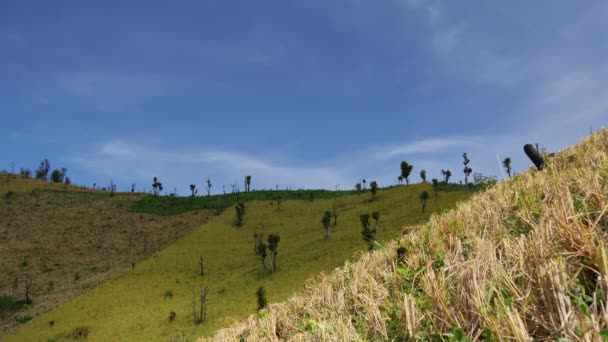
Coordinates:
(534, 156)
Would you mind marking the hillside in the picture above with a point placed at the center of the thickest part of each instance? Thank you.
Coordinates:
(525, 260)
(64, 240)
(137, 306)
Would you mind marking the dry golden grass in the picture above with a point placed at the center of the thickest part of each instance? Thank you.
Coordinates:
(525, 260)
(68, 241)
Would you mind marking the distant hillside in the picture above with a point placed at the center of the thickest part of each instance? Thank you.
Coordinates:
(137, 306)
(64, 240)
(525, 260)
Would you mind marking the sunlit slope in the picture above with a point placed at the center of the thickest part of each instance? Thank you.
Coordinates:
(136, 307)
(526, 260)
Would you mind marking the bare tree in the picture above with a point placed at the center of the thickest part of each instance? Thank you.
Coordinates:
(467, 170)
(326, 221)
(209, 187)
(201, 315)
(201, 265)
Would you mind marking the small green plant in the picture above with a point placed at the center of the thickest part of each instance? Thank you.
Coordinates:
(9, 196)
(273, 246)
(366, 232)
(239, 207)
(326, 221)
(261, 296)
(168, 294)
(23, 319)
(374, 189)
(424, 196)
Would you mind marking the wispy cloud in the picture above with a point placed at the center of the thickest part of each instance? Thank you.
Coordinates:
(427, 146)
(133, 162)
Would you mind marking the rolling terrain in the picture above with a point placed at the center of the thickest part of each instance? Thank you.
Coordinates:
(64, 240)
(137, 306)
(526, 260)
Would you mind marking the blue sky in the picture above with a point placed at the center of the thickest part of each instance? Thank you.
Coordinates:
(309, 94)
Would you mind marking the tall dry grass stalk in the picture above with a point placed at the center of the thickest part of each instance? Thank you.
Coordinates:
(525, 260)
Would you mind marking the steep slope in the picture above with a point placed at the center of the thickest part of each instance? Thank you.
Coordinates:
(524, 260)
(138, 305)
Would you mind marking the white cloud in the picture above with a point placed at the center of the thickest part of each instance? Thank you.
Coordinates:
(128, 162)
(427, 146)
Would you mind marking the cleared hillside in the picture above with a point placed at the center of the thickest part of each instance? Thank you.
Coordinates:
(524, 260)
(137, 306)
(64, 241)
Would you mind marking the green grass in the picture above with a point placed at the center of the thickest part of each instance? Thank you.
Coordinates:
(136, 307)
(170, 205)
(9, 304)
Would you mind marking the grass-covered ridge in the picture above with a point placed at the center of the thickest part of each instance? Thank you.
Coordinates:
(525, 260)
(137, 306)
(172, 205)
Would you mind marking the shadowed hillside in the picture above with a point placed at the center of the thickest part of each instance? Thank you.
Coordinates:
(525, 260)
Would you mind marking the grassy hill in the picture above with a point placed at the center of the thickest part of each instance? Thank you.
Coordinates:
(65, 240)
(525, 260)
(136, 307)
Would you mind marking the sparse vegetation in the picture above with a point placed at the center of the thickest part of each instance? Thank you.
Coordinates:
(366, 232)
(239, 208)
(458, 282)
(373, 189)
(406, 170)
(326, 221)
(424, 196)
(261, 297)
(235, 275)
(273, 246)
(157, 186)
(467, 170)
(423, 175)
(446, 174)
(506, 163)
(42, 172)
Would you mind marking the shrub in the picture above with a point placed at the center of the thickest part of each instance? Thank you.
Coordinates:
(261, 295)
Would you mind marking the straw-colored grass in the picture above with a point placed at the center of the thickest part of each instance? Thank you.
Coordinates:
(525, 260)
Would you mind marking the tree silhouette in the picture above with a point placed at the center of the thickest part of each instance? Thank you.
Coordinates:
(435, 188)
(326, 221)
(447, 174)
(209, 187)
(400, 179)
(247, 183)
(507, 165)
(157, 186)
(374, 188)
(467, 170)
(406, 170)
(273, 246)
(358, 188)
(193, 189)
(423, 175)
(363, 182)
(42, 172)
(424, 196)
